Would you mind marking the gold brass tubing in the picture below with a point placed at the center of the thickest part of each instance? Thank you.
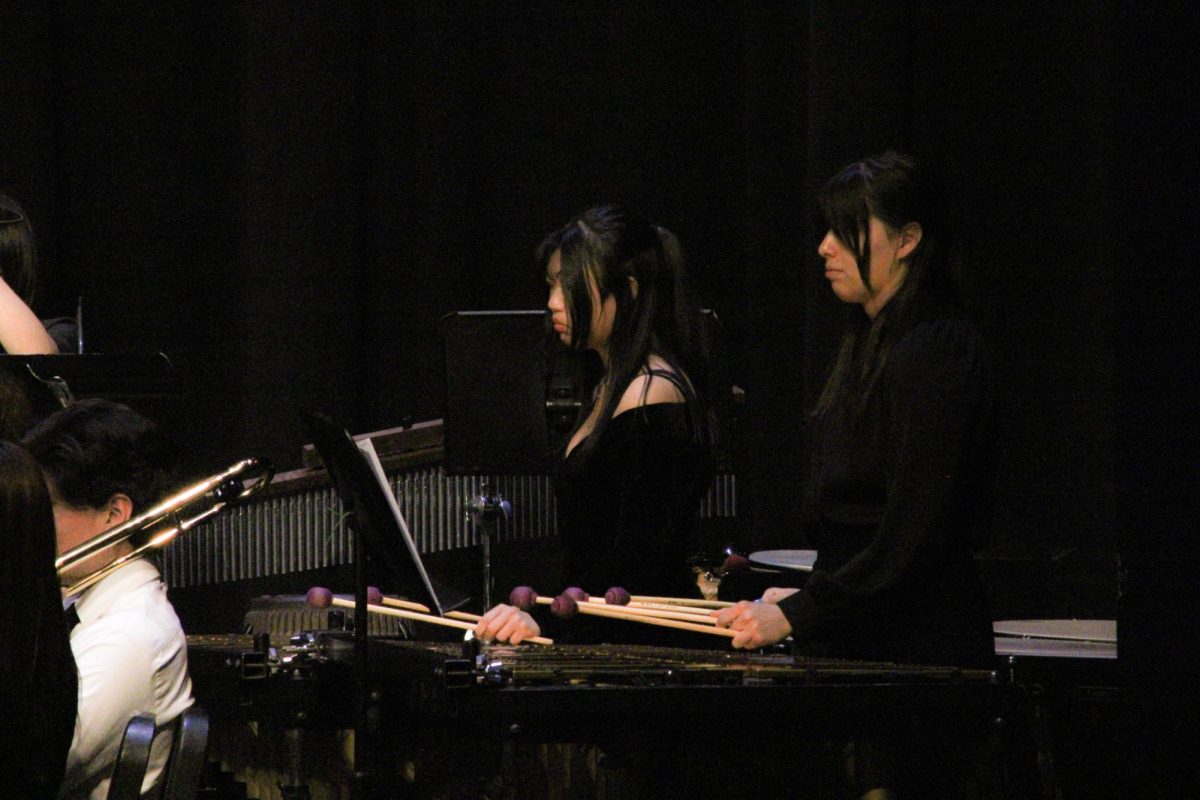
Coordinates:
(163, 522)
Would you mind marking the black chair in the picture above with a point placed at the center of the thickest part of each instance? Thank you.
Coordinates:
(134, 754)
(185, 765)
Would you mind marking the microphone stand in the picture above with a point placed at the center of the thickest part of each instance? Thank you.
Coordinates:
(486, 510)
(365, 715)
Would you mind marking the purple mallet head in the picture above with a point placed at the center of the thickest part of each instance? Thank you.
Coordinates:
(564, 607)
(736, 563)
(576, 594)
(617, 596)
(523, 597)
(319, 597)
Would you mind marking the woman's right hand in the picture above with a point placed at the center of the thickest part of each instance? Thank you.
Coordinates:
(755, 625)
(505, 623)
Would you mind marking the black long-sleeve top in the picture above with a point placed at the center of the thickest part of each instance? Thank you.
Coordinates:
(895, 499)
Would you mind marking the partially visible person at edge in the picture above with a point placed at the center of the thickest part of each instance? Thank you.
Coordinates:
(21, 332)
(38, 684)
(639, 459)
(104, 464)
(901, 447)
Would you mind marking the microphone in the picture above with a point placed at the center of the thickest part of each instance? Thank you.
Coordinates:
(79, 325)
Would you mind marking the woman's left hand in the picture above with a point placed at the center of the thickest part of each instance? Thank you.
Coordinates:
(504, 623)
(757, 624)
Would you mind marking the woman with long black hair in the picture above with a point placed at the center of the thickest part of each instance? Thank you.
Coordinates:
(638, 461)
(901, 453)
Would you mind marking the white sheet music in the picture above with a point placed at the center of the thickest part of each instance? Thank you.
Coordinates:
(372, 458)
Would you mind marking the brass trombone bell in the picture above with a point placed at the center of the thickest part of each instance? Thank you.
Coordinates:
(165, 520)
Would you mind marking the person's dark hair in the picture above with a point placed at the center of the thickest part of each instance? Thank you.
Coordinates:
(95, 448)
(38, 682)
(16, 409)
(18, 252)
(663, 319)
(896, 190)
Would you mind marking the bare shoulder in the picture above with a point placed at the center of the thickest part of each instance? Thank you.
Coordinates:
(652, 387)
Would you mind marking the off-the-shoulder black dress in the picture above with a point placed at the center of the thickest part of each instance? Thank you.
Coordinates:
(627, 504)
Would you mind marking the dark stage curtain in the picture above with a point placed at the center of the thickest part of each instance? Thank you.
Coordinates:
(286, 197)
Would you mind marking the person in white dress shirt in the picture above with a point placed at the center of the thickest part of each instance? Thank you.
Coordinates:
(104, 464)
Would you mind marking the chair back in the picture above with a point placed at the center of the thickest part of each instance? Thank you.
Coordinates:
(185, 765)
(134, 754)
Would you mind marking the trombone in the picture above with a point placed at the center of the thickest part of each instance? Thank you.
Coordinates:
(163, 522)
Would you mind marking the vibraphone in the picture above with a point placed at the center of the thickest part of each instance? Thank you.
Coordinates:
(446, 723)
(575, 692)
(446, 714)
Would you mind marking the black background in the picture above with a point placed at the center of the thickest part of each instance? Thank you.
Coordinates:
(286, 198)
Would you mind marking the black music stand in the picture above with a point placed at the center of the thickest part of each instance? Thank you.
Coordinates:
(93, 375)
(509, 396)
(379, 533)
(496, 379)
(501, 397)
(35, 386)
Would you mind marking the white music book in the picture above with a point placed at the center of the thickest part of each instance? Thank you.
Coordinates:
(372, 459)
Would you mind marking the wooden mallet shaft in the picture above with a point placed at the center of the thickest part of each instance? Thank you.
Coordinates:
(681, 601)
(697, 616)
(396, 602)
(618, 612)
(417, 616)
